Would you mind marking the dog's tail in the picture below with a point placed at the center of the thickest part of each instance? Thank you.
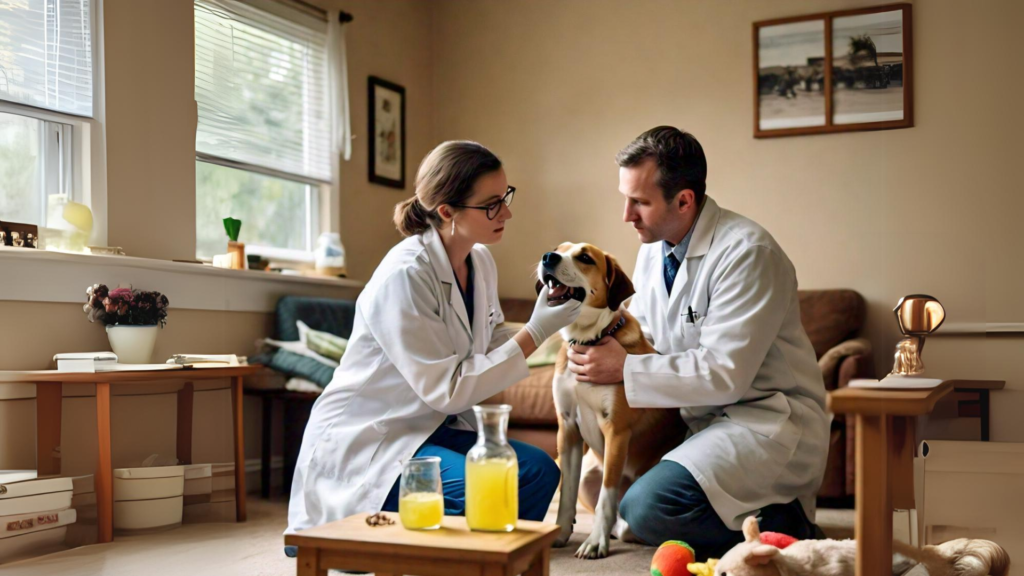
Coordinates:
(962, 557)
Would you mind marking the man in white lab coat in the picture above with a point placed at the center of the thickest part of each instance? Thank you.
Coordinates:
(717, 297)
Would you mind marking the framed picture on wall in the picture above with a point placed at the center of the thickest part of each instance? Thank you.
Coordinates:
(791, 75)
(834, 72)
(386, 103)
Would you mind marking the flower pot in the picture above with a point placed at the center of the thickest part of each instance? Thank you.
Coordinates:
(132, 344)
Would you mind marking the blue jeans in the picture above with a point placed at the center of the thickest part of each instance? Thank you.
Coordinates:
(667, 503)
(538, 474)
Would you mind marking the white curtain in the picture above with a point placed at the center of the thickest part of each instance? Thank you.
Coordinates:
(337, 73)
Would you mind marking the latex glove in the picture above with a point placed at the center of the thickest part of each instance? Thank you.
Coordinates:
(546, 320)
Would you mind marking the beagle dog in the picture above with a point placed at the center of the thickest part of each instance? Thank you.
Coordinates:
(629, 440)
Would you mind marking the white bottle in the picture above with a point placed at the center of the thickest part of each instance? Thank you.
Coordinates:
(330, 254)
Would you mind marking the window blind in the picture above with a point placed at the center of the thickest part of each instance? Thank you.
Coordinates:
(46, 54)
(261, 89)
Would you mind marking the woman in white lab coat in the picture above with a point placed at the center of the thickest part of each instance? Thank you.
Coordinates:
(427, 345)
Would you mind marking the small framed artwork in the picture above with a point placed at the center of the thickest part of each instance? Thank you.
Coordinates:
(834, 72)
(386, 103)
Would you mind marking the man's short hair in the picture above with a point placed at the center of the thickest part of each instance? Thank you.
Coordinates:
(678, 155)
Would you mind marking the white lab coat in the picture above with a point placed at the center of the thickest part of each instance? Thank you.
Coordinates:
(411, 361)
(744, 374)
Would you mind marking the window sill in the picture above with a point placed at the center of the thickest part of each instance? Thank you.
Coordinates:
(44, 276)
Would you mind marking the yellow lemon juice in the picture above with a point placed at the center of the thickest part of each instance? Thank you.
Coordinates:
(492, 494)
(421, 510)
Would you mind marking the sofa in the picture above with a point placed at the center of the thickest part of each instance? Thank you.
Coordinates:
(832, 319)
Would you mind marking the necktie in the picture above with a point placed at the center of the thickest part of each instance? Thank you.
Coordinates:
(671, 268)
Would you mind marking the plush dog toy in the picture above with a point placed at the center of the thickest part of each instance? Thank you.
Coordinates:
(961, 557)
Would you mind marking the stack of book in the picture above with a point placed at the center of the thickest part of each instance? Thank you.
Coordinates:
(34, 514)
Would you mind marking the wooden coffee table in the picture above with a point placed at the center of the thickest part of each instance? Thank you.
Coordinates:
(452, 550)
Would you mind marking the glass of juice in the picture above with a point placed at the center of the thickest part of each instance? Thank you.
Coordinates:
(420, 500)
(492, 473)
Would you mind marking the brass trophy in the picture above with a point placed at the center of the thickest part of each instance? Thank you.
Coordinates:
(918, 316)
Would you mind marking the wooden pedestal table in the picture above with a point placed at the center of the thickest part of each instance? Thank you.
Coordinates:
(452, 550)
(885, 462)
(49, 393)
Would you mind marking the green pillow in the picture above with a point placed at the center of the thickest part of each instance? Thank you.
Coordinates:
(323, 343)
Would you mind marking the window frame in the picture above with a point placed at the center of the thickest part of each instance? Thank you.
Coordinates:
(70, 153)
(322, 196)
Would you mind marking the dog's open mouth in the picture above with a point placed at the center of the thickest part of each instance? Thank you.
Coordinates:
(560, 293)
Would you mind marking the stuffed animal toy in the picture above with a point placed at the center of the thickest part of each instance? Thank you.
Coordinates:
(703, 568)
(837, 558)
(671, 559)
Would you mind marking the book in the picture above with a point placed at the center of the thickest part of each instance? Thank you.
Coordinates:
(32, 544)
(35, 503)
(19, 524)
(11, 490)
(84, 361)
(896, 383)
(9, 476)
(204, 360)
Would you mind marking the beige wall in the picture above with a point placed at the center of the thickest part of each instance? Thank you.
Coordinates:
(150, 127)
(557, 88)
(391, 40)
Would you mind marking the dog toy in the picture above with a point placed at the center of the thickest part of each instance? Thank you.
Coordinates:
(780, 541)
(703, 568)
(961, 557)
(672, 559)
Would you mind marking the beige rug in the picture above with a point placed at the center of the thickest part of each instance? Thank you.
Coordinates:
(255, 548)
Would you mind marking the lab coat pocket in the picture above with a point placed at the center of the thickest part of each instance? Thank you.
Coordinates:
(691, 333)
(346, 454)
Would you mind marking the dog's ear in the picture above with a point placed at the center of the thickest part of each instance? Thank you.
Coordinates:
(750, 529)
(539, 286)
(761, 555)
(620, 286)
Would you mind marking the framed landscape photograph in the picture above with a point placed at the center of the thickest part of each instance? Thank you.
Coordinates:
(834, 72)
(791, 75)
(386, 131)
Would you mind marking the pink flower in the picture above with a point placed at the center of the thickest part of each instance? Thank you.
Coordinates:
(121, 293)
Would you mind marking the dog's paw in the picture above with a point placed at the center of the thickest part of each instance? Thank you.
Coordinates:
(593, 547)
(563, 537)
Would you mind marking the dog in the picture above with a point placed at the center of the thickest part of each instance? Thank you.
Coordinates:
(629, 440)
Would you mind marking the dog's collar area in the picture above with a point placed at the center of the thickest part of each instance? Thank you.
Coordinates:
(608, 332)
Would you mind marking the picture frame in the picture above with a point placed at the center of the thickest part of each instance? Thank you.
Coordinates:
(841, 71)
(386, 130)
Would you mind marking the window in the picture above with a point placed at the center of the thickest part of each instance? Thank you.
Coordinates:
(46, 87)
(263, 139)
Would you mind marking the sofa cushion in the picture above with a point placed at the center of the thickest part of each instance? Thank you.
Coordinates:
(531, 399)
(830, 316)
(324, 314)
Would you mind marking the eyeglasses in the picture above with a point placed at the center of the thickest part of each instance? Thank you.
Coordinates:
(494, 207)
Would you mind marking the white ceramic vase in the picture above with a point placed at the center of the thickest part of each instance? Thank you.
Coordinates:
(132, 344)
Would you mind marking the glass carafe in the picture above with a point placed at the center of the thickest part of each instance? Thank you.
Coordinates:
(420, 500)
(492, 473)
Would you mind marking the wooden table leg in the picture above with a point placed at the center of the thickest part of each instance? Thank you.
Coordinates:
(874, 501)
(236, 406)
(265, 452)
(104, 469)
(541, 565)
(983, 400)
(901, 462)
(308, 563)
(48, 415)
(185, 404)
(494, 570)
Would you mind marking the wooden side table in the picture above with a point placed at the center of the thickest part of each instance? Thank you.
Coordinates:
(452, 550)
(885, 462)
(49, 394)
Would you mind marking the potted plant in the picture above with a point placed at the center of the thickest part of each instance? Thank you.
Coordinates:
(132, 318)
